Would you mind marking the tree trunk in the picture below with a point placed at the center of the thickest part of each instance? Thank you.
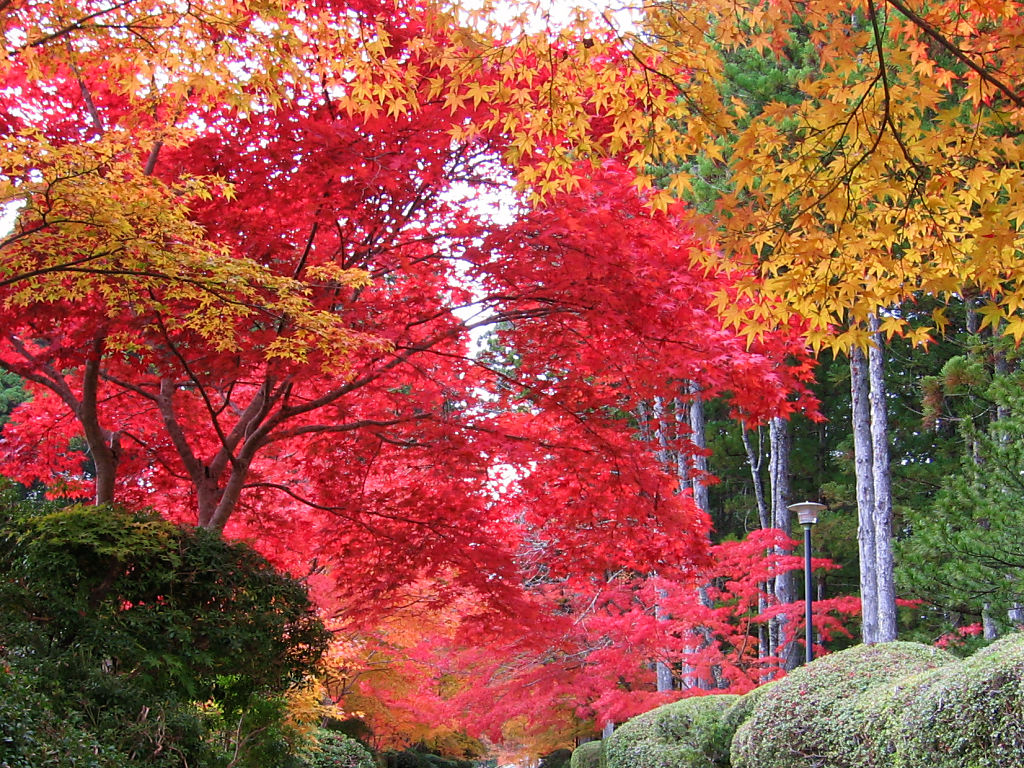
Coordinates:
(103, 444)
(754, 461)
(682, 461)
(989, 627)
(219, 480)
(700, 496)
(700, 461)
(765, 639)
(663, 672)
(663, 677)
(1000, 367)
(863, 463)
(885, 561)
(785, 592)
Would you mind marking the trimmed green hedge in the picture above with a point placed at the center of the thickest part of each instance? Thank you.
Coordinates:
(589, 754)
(965, 714)
(893, 705)
(690, 733)
(738, 712)
(412, 758)
(807, 721)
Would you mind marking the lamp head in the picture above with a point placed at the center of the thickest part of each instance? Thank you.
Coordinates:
(807, 511)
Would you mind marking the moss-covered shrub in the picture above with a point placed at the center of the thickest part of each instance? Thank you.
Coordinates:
(690, 733)
(966, 714)
(807, 719)
(589, 754)
(737, 713)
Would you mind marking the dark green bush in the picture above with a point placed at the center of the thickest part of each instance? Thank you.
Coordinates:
(412, 758)
(557, 759)
(589, 754)
(176, 608)
(690, 733)
(31, 737)
(966, 714)
(438, 761)
(406, 759)
(805, 720)
(170, 646)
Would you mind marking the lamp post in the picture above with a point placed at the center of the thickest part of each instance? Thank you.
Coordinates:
(807, 514)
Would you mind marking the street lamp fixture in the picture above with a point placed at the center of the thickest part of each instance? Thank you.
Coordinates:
(807, 513)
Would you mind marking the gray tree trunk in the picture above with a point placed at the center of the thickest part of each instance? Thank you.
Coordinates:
(778, 470)
(755, 459)
(700, 461)
(1000, 367)
(885, 561)
(989, 627)
(863, 463)
(682, 461)
(663, 679)
(697, 425)
(780, 444)
(663, 673)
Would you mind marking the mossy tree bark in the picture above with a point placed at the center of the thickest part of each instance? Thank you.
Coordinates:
(863, 462)
(885, 563)
(780, 443)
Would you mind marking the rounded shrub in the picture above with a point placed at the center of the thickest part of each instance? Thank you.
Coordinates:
(335, 750)
(413, 758)
(966, 714)
(806, 720)
(690, 733)
(123, 622)
(589, 754)
(737, 713)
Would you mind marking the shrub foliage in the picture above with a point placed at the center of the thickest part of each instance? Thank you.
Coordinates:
(894, 705)
(335, 750)
(691, 733)
(804, 721)
(167, 645)
(589, 754)
(966, 714)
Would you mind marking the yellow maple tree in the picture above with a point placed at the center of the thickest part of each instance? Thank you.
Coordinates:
(897, 174)
(91, 217)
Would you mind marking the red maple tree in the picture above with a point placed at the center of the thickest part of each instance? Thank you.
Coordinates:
(363, 440)
(388, 451)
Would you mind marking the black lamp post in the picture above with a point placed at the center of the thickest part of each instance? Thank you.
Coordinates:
(807, 513)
